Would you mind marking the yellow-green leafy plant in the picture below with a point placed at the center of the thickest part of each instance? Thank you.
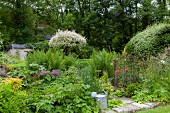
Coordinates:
(12, 98)
(16, 83)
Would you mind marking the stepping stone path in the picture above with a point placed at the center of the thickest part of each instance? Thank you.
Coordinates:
(132, 106)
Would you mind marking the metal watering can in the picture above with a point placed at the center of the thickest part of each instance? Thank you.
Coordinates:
(101, 98)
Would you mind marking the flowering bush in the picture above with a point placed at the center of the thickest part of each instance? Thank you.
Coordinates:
(150, 41)
(67, 39)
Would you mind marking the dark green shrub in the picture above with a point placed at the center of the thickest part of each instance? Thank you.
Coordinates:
(150, 41)
(42, 45)
(131, 89)
(84, 52)
(68, 61)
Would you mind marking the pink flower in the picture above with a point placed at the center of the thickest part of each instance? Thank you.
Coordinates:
(118, 71)
(126, 70)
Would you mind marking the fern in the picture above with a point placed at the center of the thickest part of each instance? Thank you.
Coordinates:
(50, 60)
(103, 61)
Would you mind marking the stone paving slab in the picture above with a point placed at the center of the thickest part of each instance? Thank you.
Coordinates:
(110, 111)
(125, 109)
(140, 105)
(132, 106)
(117, 110)
(126, 100)
(157, 104)
(150, 104)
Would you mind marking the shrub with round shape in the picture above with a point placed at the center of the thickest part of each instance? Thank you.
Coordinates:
(67, 40)
(150, 41)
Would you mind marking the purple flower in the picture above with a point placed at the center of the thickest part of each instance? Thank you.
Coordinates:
(55, 72)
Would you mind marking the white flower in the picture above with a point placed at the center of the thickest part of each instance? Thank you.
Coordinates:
(67, 39)
(162, 61)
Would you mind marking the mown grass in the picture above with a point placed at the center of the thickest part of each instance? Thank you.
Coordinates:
(161, 109)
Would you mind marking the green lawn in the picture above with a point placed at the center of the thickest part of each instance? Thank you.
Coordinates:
(161, 109)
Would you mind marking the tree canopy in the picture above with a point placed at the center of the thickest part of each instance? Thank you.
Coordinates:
(105, 23)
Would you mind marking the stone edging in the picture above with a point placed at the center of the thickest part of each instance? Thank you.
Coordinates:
(132, 106)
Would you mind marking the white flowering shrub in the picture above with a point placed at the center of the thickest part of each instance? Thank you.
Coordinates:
(67, 39)
(150, 41)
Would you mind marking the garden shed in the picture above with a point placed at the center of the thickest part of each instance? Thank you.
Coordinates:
(19, 49)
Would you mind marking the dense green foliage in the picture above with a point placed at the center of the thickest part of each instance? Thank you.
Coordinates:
(150, 41)
(103, 61)
(18, 22)
(106, 24)
(51, 81)
(51, 59)
(115, 102)
(154, 84)
(66, 94)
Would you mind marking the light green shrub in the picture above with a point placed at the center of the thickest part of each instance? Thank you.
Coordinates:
(150, 41)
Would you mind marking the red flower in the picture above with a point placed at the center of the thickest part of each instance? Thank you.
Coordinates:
(118, 71)
(126, 70)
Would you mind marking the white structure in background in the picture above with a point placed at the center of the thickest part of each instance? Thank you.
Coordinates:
(19, 49)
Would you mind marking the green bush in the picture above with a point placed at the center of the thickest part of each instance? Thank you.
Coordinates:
(68, 61)
(8, 59)
(84, 52)
(89, 74)
(103, 61)
(150, 41)
(132, 88)
(42, 45)
(119, 93)
(115, 102)
(152, 91)
(51, 59)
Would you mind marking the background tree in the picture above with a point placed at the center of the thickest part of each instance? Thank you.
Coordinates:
(106, 24)
(18, 21)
